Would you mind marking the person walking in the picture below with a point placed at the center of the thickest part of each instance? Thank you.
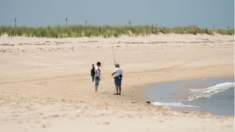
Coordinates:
(117, 78)
(92, 72)
(97, 76)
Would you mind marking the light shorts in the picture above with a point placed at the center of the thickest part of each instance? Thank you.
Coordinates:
(118, 81)
(97, 80)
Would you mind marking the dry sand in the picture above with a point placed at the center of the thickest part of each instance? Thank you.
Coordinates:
(45, 84)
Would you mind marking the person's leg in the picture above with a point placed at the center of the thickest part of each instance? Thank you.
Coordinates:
(96, 84)
(92, 78)
(115, 83)
(116, 88)
(96, 89)
(120, 89)
(120, 86)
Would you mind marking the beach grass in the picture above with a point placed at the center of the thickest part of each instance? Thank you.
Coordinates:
(105, 31)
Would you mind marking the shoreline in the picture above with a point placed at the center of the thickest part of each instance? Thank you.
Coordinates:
(43, 76)
(177, 92)
(142, 93)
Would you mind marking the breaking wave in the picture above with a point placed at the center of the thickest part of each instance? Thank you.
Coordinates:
(208, 92)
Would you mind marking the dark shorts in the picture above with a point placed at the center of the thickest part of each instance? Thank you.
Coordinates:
(97, 80)
(118, 81)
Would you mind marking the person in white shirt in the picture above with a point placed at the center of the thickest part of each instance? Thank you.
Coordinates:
(117, 78)
(97, 76)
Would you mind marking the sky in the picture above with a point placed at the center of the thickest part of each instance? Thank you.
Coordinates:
(167, 13)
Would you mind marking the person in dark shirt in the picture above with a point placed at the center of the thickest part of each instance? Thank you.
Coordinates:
(92, 72)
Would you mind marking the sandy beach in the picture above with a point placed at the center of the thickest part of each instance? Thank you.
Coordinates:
(45, 83)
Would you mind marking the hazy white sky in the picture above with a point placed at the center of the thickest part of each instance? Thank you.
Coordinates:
(169, 13)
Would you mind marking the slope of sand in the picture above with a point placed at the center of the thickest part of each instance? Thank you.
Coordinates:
(45, 84)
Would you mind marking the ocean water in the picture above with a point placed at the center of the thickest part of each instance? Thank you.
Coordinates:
(207, 95)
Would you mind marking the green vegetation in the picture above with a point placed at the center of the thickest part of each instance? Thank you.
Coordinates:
(105, 31)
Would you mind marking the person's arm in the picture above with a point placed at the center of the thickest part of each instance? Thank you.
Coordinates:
(113, 73)
(97, 71)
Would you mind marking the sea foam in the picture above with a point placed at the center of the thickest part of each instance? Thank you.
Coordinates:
(173, 104)
(208, 92)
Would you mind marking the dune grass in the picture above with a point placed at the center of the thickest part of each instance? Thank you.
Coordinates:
(105, 31)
